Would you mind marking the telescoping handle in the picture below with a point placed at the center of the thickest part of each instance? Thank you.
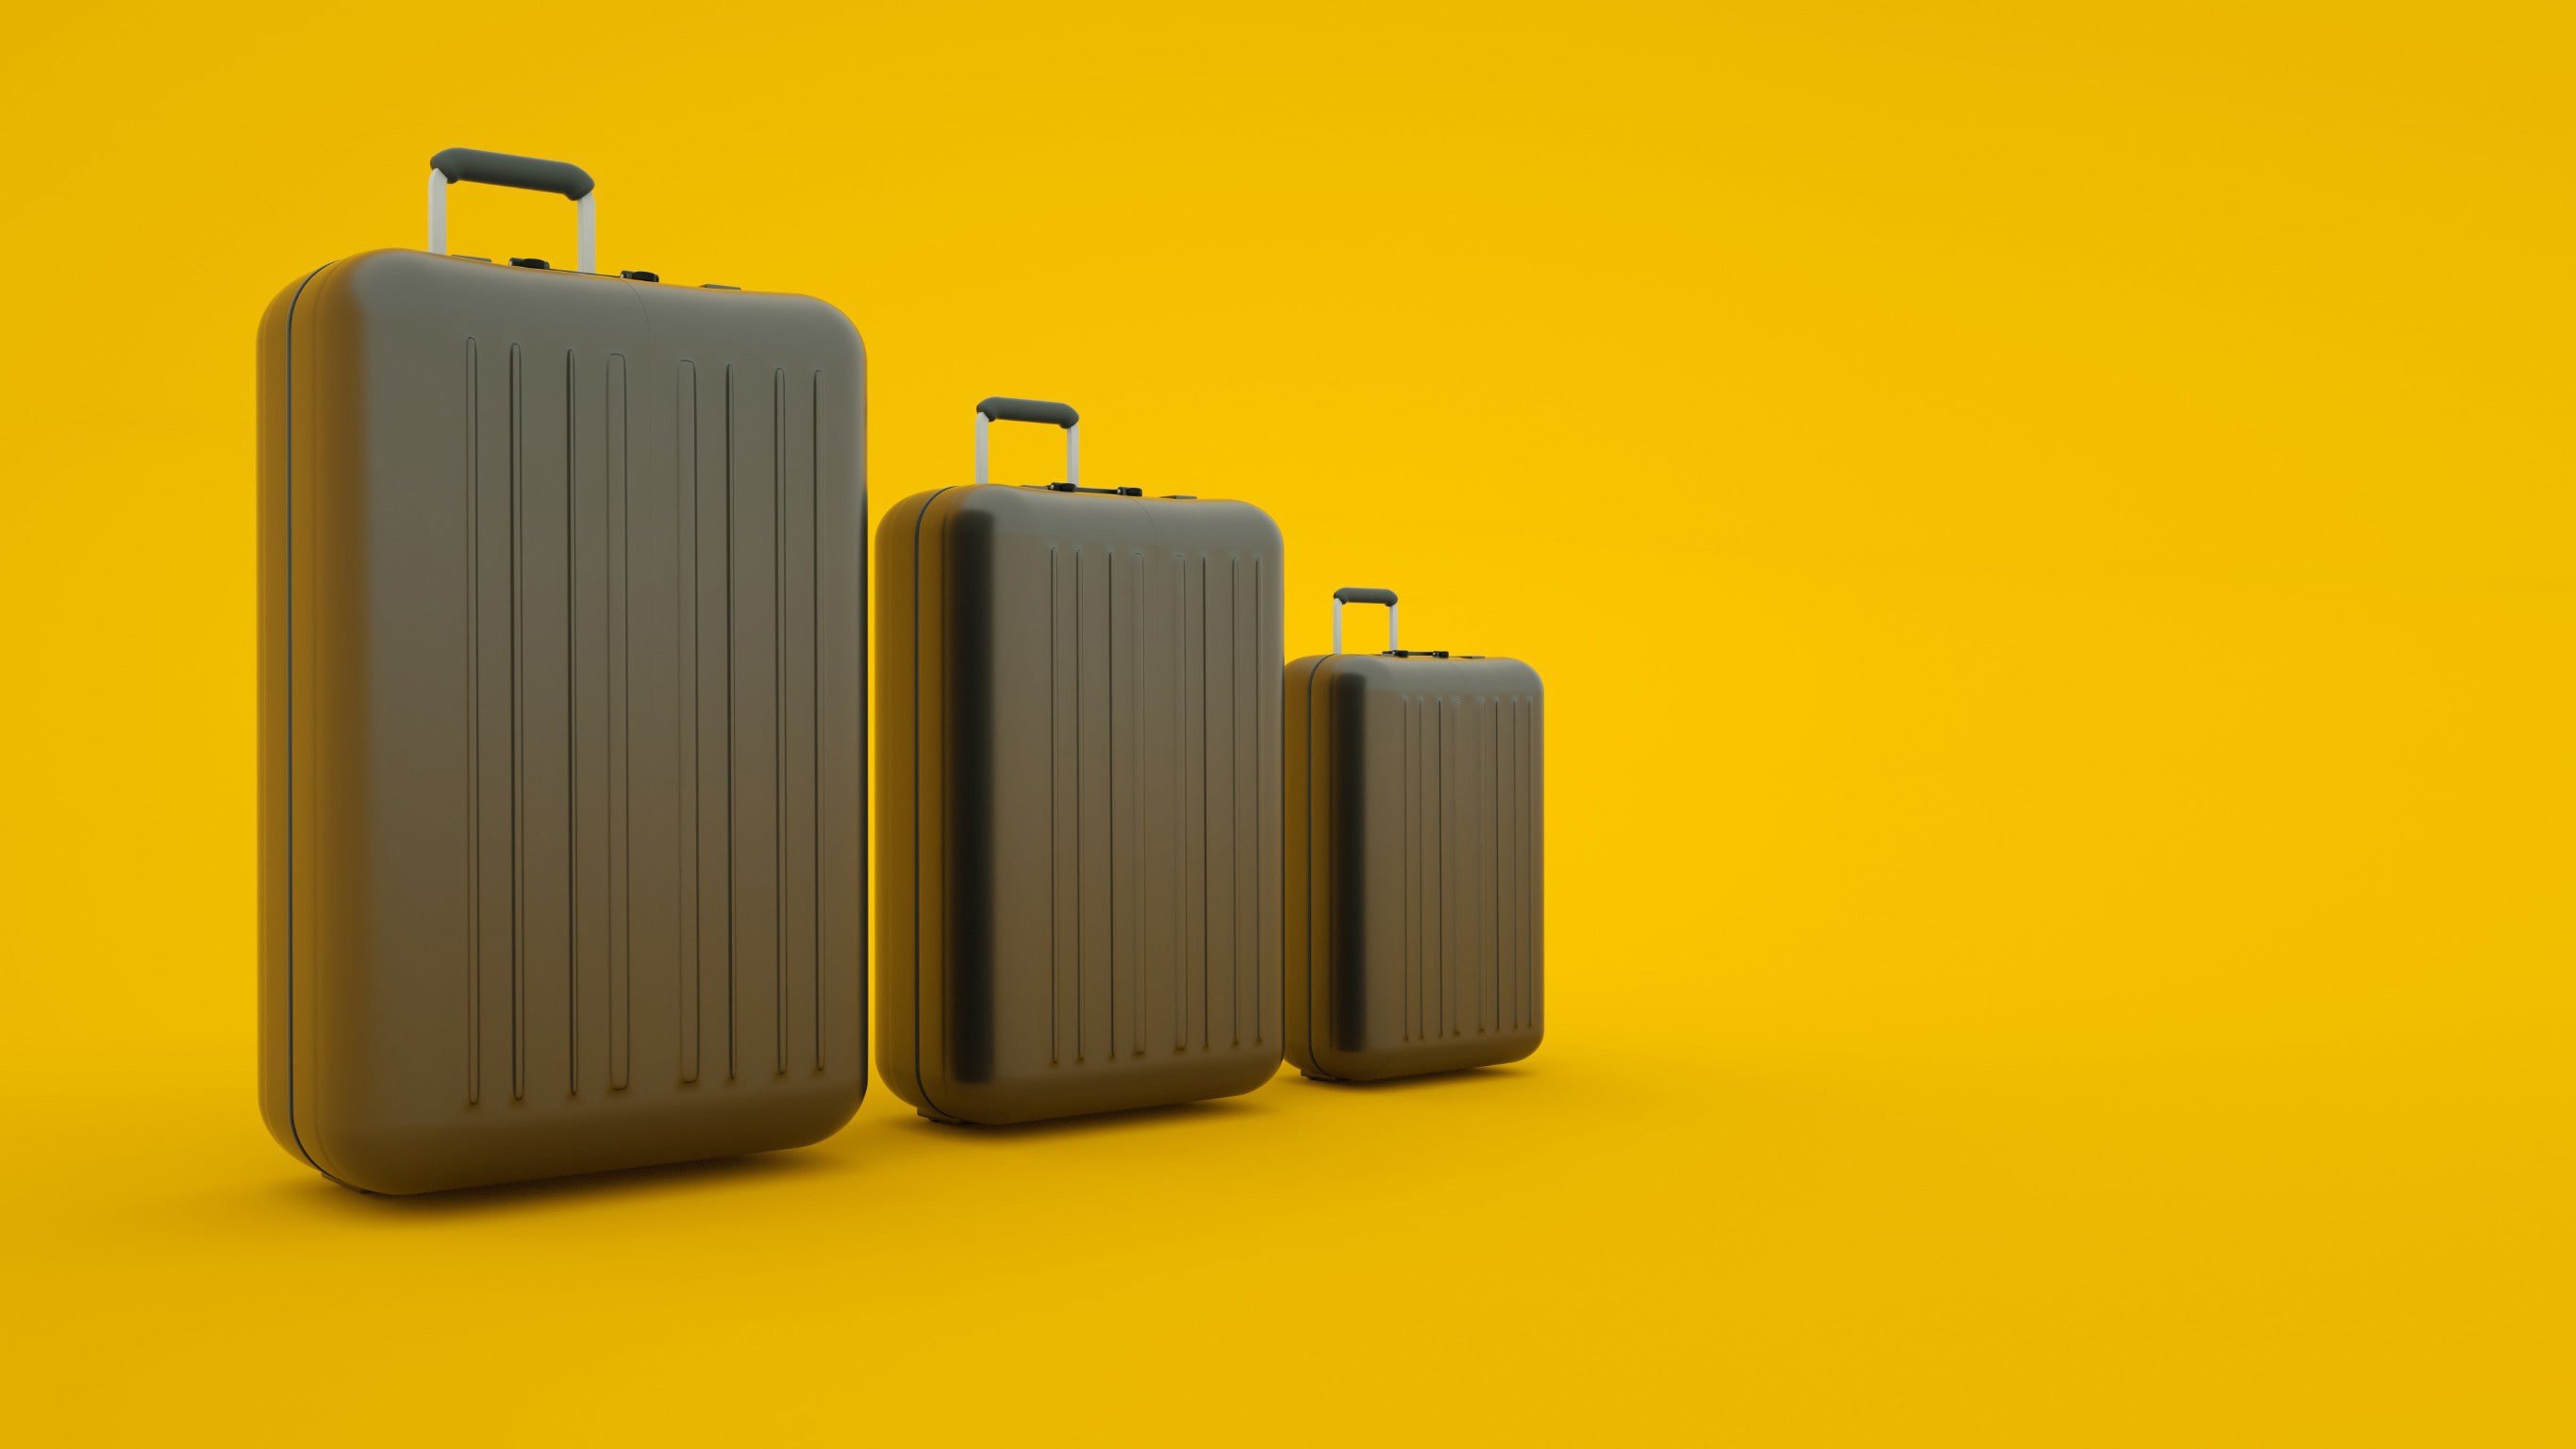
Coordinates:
(527, 173)
(1363, 596)
(1027, 410)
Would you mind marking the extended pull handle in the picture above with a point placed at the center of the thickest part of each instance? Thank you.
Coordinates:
(1027, 410)
(526, 173)
(1363, 596)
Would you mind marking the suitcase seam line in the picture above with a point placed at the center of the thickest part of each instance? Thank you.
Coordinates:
(292, 1129)
(1305, 808)
(921, 520)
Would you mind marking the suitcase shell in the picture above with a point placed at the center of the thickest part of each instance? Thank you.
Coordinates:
(561, 863)
(1078, 778)
(1415, 852)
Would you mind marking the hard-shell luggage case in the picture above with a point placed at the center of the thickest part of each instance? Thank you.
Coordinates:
(560, 714)
(1414, 859)
(1078, 810)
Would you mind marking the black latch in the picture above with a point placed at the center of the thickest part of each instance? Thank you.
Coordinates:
(534, 264)
(1077, 488)
(641, 276)
(1419, 653)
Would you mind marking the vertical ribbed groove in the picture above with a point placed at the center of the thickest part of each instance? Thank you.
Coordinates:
(1180, 882)
(1480, 801)
(1108, 748)
(1521, 883)
(1470, 896)
(621, 684)
(1206, 885)
(1481, 796)
(1435, 957)
(1055, 850)
(684, 512)
(1499, 834)
(1497, 890)
(1448, 886)
(1436, 906)
(733, 1000)
(1253, 785)
(1532, 958)
(1492, 852)
(778, 688)
(1412, 867)
(473, 729)
(1462, 878)
(518, 741)
(1081, 939)
(1462, 883)
(1430, 838)
(1416, 850)
(1137, 971)
(572, 737)
(1512, 866)
(814, 677)
(1234, 789)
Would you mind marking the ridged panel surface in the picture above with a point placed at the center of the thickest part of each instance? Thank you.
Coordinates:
(1465, 868)
(557, 708)
(1154, 684)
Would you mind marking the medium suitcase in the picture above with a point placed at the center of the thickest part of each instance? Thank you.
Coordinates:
(1078, 773)
(560, 716)
(1415, 844)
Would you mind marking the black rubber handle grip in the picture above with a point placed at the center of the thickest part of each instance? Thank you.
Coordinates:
(1365, 596)
(499, 168)
(1027, 410)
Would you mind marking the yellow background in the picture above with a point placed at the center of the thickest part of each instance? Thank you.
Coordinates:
(2051, 537)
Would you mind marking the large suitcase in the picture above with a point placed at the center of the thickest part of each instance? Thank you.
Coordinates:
(1078, 793)
(1415, 847)
(560, 714)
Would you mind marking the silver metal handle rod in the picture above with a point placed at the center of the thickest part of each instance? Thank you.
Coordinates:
(585, 212)
(984, 451)
(1337, 627)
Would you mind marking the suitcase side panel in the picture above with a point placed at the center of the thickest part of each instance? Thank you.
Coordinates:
(276, 919)
(908, 740)
(586, 723)
(308, 747)
(1115, 722)
(1303, 786)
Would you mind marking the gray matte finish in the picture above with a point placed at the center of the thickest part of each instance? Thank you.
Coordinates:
(500, 168)
(1415, 827)
(561, 725)
(1078, 824)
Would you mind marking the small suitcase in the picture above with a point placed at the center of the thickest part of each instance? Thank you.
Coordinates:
(561, 728)
(1414, 854)
(1078, 772)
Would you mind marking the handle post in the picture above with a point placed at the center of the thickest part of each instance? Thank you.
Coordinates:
(526, 173)
(1027, 410)
(1363, 596)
